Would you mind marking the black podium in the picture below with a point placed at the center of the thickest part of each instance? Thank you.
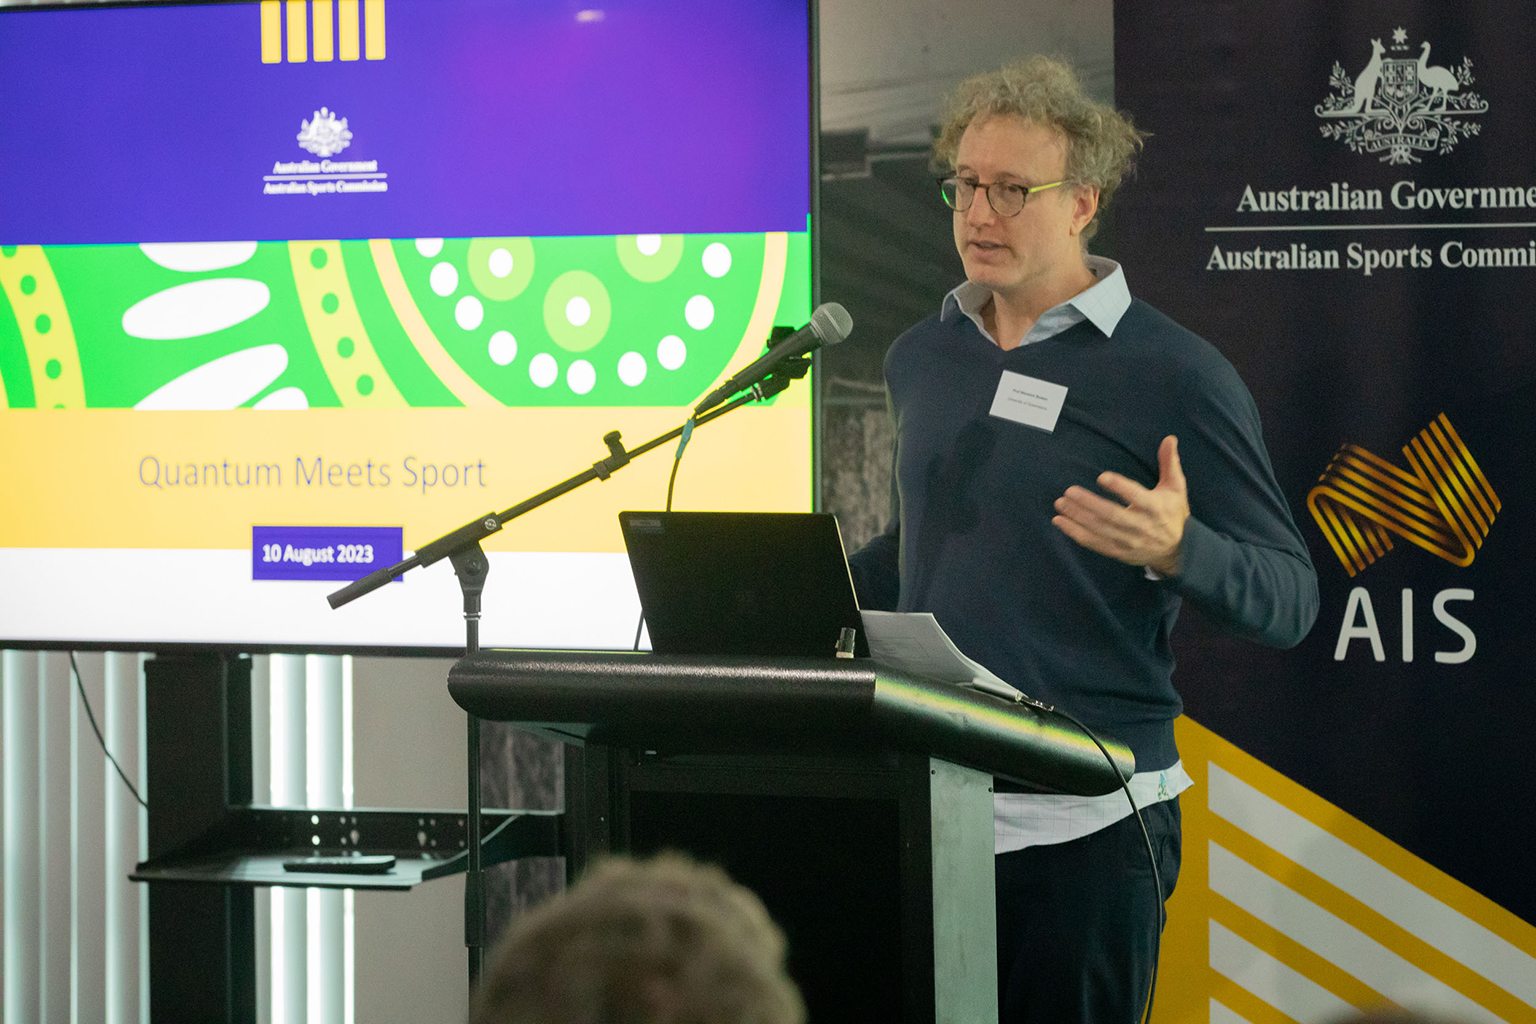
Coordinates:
(856, 800)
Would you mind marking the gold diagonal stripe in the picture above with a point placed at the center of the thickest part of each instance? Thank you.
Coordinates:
(1447, 486)
(1435, 542)
(1442, 503)
(1466, 502)
(1481, 506)
(1420, 504)
(1391, 935)
(1423, 510)
(1393, 518)
(1462, 553)
(1242, 1002)
(1412, 516)
(1415, 498)
(1333, 531)
(1386, 467)
(1356, 537)
(1381, 540)
(1309, 964)
(1471, 463)
(1413, 489)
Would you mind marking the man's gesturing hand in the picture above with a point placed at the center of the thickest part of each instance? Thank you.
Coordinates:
(1147, 530)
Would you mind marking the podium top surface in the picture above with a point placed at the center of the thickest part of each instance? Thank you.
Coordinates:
(696, 703)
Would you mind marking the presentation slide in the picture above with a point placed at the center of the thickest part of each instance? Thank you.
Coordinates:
(290, 288)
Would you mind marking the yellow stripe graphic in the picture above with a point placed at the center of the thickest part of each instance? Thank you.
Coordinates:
(337, 29)
(320, 12)
(373, 12)
(298, 38)
(271, 32)
(27, 279)
(416, 328)
(1443, 503)
(1390, 935)
(1288, 908)
(347, 29)
(341, 340)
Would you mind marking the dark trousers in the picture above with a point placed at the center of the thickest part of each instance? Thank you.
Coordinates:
(1078, 922)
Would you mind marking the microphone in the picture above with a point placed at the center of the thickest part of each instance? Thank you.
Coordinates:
(829, 325)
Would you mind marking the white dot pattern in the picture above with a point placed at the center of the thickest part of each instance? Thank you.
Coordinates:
(717, 259)
(581, 376)
(632, 368)
(468, 312)
(671, 352)
(543, 370)
(502, 348)
(699, 312)
(444, 279)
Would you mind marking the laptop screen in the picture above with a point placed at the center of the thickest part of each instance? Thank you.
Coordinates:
(763, 583)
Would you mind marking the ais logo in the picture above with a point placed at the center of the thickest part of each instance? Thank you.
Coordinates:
(1442, 503)
(336, 28)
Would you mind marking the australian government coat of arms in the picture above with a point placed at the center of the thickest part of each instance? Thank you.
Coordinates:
(1401, 106)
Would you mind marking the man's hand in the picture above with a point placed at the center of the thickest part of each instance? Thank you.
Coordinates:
(1147, 530)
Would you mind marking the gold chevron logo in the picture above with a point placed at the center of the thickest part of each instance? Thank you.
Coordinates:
(332, 26)
(1443, 503)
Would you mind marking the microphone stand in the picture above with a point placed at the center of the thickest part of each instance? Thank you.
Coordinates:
(462, 549)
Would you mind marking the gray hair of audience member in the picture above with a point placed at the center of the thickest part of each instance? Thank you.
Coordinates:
(1101, 142)
(1396, 1015)
(661, 941)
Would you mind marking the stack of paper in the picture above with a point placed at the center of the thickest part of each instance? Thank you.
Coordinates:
(914, 642)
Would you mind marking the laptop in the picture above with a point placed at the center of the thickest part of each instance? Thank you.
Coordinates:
(759, 583)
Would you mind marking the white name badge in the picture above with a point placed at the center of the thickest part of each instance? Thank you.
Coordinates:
(1029, 400)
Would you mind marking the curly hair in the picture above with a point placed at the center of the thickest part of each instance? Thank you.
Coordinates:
(1101, 142)
(663, 941)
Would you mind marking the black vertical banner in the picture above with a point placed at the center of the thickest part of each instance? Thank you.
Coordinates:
(1341, 196)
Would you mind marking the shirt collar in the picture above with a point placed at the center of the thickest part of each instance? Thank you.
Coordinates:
(1102, 303)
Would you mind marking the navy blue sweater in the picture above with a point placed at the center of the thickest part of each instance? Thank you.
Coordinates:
(971, 539)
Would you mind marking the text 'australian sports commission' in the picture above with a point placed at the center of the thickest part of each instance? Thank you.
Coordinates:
(413, 474)
(1454, 254)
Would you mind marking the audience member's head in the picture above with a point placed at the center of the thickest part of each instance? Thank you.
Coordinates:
(1396, 1015)
(663, 941)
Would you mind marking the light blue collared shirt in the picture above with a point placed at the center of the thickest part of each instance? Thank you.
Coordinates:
(1102, 304)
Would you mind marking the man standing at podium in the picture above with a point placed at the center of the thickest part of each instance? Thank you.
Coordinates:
(1070, 466)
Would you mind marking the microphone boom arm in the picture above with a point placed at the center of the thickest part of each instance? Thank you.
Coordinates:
(476, 530)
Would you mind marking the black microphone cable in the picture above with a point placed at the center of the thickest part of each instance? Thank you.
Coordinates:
(86, 701)
(677, 460)
(1157, 880)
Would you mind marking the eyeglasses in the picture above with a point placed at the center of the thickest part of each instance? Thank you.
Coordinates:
(1005, 197)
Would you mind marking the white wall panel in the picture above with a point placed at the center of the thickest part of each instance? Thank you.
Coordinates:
(88, 854)
(55, 707)
(23, 902)
(123, 912)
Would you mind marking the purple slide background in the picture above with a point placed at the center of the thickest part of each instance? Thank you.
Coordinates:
(387, 541)
(126, 125)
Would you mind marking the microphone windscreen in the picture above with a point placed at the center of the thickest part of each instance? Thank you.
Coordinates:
(831, 323)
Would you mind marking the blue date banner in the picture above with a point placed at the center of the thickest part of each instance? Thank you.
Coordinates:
(323, 552)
